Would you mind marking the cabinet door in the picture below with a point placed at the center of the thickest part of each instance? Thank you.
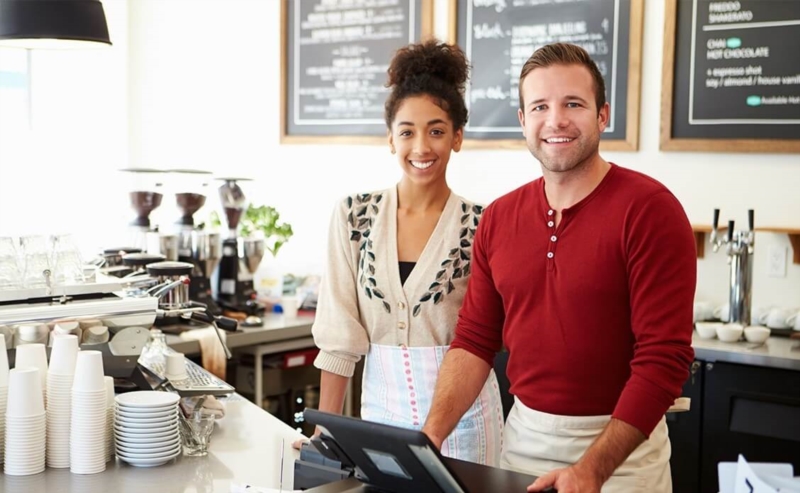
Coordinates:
(749, 410)
(684, 434)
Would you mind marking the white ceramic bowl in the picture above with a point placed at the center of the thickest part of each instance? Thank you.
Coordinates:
(729, 332)
(756, 334)
(707, 330)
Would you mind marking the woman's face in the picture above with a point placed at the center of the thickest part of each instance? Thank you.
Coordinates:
(422, 136)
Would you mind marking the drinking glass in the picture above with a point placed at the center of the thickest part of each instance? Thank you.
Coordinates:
(197, 434)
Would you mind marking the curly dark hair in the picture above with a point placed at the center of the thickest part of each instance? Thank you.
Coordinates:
(431, 68)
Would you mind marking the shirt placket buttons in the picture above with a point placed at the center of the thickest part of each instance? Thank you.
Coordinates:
(550, 224)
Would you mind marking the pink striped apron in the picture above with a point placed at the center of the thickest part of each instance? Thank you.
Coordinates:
(398, 389)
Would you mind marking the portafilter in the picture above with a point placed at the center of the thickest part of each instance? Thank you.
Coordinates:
(173, 297)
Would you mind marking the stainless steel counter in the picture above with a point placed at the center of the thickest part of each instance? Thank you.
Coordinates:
(245, 448)
(777, 352)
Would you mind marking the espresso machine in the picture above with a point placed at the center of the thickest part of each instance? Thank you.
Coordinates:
(739, 247)
(240, 256)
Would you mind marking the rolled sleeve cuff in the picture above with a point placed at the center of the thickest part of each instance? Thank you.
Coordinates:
(640, 408)
(335, 364)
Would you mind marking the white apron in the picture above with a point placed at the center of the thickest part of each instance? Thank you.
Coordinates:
(398, 390)
(537, 443)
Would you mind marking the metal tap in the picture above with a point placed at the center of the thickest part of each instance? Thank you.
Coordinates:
(739, 248)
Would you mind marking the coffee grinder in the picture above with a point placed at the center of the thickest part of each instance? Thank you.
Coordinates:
(195, 246)
(190, 188)
(145, 192)
(240, 256)
(203, 250)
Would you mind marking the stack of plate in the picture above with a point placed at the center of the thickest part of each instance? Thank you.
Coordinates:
(146, 429)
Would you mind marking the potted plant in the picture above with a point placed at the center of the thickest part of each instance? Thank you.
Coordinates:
(264, 221)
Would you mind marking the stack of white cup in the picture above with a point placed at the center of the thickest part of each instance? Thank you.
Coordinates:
(89, 410)
(34, 356)
(25, 423)
(109, 381)
(60, 374)
(3, 394)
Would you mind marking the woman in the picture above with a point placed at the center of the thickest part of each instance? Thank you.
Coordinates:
(398, 264)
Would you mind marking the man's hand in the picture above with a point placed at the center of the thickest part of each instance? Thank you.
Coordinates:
(573, 479)
(437, 442)
(598, 463)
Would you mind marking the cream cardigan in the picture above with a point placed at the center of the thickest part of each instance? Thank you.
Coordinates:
(361, 298)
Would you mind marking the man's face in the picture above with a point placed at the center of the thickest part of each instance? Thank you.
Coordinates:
(423, 137)
(560, 121)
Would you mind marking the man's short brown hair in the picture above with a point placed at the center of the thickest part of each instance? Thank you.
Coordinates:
(564, 54)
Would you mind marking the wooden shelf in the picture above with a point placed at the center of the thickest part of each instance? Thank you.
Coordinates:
(701, 230)
(794, 239)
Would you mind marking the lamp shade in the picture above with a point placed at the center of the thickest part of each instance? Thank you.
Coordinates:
(52, 23)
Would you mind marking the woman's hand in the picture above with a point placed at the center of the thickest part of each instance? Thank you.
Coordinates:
(298, 444)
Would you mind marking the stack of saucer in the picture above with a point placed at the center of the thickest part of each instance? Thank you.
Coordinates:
(146, 428)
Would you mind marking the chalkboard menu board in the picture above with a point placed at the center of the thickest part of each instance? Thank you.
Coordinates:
(499, 36)
(732, 76)
(334, 61)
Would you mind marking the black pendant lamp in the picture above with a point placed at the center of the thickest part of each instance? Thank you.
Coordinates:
(53, 24)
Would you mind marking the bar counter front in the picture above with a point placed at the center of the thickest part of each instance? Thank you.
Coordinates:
(246, 448)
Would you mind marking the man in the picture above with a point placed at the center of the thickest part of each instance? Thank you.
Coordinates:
(588, 276)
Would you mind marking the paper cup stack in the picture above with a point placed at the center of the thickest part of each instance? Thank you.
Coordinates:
(25, 423)
(109, 381)
(34, 356)
(3, 395)
(60, 374)
(146, 428)
(89, 411)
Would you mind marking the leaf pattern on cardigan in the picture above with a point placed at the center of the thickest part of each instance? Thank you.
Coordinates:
(457, 263)
(362, 209)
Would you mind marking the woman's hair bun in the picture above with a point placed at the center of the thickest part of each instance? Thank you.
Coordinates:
(430, 58)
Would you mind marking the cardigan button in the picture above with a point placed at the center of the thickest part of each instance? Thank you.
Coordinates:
(401, 325)
(401, 305)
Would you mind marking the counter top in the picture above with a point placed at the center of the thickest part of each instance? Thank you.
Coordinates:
(276, 328)
(777, 352)
(245, 449)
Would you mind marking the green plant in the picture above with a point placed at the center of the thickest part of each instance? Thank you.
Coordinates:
(265, 220)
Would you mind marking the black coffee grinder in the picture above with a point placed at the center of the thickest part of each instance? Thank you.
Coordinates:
(240, 256)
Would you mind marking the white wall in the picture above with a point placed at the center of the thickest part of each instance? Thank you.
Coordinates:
(54, 174)
(204, 92)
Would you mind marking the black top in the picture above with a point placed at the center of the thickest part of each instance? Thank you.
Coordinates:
(170, 268)
(405, 270)
(139, 259)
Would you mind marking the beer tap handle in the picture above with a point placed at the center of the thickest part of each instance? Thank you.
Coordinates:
(730, 231)
(750, 214)
(716, 219)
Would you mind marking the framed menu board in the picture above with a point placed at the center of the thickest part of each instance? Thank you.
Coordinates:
(499, 36)
(731, 79)
(335, 54)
